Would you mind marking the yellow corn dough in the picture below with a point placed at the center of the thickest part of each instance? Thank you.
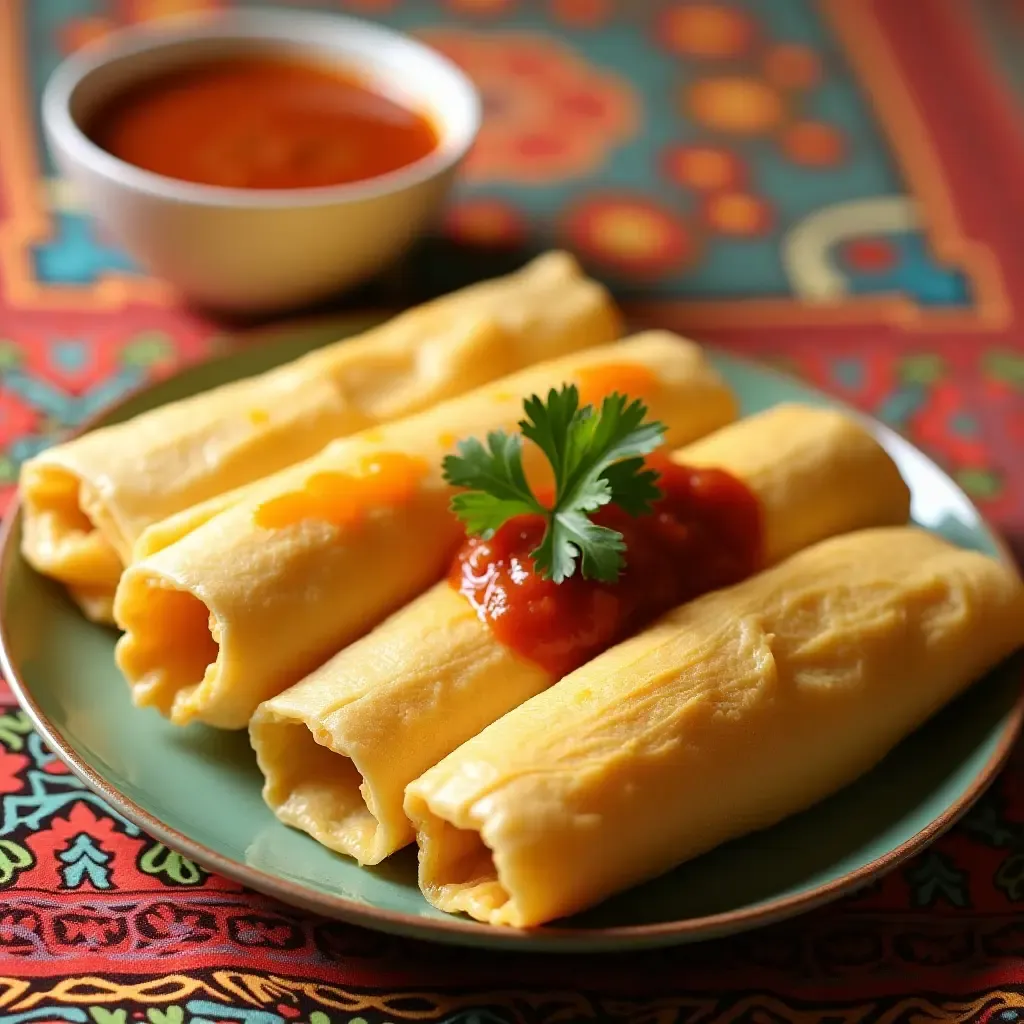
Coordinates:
(234, 612)
(727, 715)
(165, 532)
(339, 748)
(87, 501)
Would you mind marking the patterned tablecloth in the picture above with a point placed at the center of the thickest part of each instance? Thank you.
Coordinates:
(832, 186)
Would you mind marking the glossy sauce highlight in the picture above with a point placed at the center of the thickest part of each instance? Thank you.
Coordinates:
(705, 533)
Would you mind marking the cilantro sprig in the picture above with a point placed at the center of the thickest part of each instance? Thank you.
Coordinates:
(597, 457)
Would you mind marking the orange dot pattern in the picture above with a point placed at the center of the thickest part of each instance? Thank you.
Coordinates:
(706, 30)
(485, 222)
(155, 10)
(791, 66)
(738, 214)
(813, 144)
(632, 235)
(484, 7)
(741, 85)
(734, 105)
(704, 168)
(582, 13)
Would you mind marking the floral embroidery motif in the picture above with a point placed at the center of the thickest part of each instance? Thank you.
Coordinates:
(549, 114)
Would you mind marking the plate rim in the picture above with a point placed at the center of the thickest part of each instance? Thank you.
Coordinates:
(459, 931)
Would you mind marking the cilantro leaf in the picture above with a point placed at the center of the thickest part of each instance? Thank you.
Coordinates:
(571, 534)
(494, 474)
(598, 442)
(482, 514)
(549, 425)
(634, 485)
(596, 458)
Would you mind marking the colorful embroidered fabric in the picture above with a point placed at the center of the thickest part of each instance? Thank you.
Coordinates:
(829, 185)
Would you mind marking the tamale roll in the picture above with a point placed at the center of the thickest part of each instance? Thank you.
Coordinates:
(262, 593)
(338, 749)
(87, 501)
(724, 717)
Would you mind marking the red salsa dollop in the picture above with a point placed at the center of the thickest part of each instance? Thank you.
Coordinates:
(705, 532)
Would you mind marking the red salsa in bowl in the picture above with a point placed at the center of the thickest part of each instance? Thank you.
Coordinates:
(261, 122)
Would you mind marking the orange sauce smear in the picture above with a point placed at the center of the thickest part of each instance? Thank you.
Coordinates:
(633, 379)
(388, 480)
(704, 533)
(261, 123)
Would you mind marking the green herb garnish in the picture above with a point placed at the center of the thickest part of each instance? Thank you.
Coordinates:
(597, 459)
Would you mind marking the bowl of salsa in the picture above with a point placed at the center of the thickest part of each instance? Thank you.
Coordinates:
(259, 160)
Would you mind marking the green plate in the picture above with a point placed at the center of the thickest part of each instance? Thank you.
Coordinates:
(199, 790)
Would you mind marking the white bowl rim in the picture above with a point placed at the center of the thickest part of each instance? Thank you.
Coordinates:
(286, 27)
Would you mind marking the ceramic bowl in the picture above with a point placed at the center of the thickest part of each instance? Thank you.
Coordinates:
(254, 250)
